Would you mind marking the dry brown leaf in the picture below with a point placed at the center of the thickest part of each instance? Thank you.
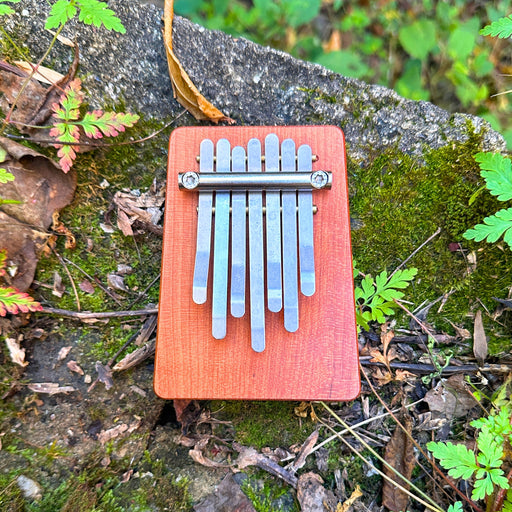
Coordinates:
(42, 189)
(49, 388)
(400, 455)
(345, 506)
(312, 495)
(184, 89)
(43, 74)
(112, 433)
(198, 456)
(480, 348)
(73, 366)
(104, 374)
(451, 398)
(305, 450)
(63, 353)
(86, 286)
(16, 352)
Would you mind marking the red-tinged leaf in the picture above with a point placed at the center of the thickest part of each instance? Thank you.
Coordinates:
(98, 123)
(66, 154)
(14, 301)
(3, 261)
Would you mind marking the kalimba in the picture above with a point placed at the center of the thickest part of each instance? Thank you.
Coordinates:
(256, 296)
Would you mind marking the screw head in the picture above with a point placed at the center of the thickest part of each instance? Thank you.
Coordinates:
(190, 180)
(319, 179)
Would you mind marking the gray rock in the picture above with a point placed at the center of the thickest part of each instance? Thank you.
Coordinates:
(252, 84)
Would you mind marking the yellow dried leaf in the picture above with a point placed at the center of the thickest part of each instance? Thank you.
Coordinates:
(345, 506)
(185, 92)
(43, 74)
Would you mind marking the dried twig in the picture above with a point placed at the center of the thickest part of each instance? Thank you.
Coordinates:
(431, 237)
(89, 315)
(63, 263)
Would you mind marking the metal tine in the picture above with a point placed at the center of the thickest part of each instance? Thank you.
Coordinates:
(204, 228)
(221, 245)
(289, 219)
(273, 222)
(256, 268)
(306, 250)
(238, 238)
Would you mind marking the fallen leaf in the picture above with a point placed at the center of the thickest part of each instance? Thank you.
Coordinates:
(107, 435)
(345, 506)
(313, 496)
(49, 388)
(227, 496)
(73, 366)
(399, 454)
(117, 282)
(104, 374)
(126, 476)
(187, 413)
(58, 288)
(480, 349)
(63, 353)
(86, 286)
(185, 91)
(43, 74)
(451, 398)
(16, 352)
(305, 450)
(42, 189)
(199, 457)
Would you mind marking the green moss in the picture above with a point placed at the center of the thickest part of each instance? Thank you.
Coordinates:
(262, 424)
(267, 494)
(399, 203)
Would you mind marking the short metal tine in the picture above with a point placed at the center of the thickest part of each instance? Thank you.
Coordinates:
(289, 219)
(273, 221)
(305, 202)
(221, 246)
(204, 228)
(238, 238)
(256, 264)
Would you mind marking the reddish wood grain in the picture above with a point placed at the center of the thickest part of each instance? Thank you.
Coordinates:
(319, 361)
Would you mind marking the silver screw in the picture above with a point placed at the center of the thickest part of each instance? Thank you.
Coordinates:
(190, 180)
(319, 179)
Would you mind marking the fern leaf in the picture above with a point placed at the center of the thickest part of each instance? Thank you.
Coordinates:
(460, 462)
(61, 12)
(94, 12)
(456, 507)
(501, 28)
(14, 301)
(482, 487)
(98, 123)
(3, 261)
(493, 228)
(497, 172)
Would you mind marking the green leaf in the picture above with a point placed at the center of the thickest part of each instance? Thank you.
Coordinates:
(344, 62)
(461, 43)
(5, 175)
(98, 123)
(493, 228)
(460, 461)
(5, 9)
(419, 38)
(13, 301)
(410, 84)
(300, 12)
(497, 172)
(482, 488)
(62, 11)
(94, 12)
(501, 28)
(491, 451)
(455, 507)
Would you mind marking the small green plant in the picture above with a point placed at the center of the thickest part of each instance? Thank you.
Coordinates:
(497, 172)
(375, 297)
(69, 120)
(484, 464)
(95, 124)
(5, 9)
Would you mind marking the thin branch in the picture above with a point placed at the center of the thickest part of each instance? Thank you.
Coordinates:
(63, 263)
(89, 315)
(430, 238)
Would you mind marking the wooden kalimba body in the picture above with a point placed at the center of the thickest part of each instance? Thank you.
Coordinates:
(257, 296)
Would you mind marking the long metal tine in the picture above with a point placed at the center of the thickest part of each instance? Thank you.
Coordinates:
(256, 265)
(204, 229)
(289, 218)
(305, 202)
(273, 223)
(238, 238)
(221, 246)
